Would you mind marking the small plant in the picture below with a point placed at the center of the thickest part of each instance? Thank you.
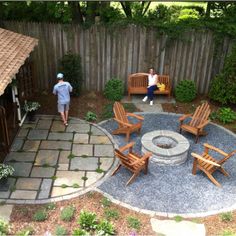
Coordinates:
(214, 115)
(105, 228)
(111, 214)
(51, 206)
(185, 91)
(107, 112)
(114, 89)
(64, 186)
(226, 115)
(45, 165)
(228, 233)
(105, 202)
(99, 170)
(4, 227)
(60, 230)
(5, 171)
(90, 116)
(133, 222)
(84, 156)
(71, 156)
(40, 215)
(75, 185)
(89, 132)
(226, 217)
(31, 106)
(178, 218)
(87, 220)
(53, 177)
(80, 232)
(67, 213)
(84, 178)
(26, 231)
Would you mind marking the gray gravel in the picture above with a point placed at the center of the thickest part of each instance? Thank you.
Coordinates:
(173, 188)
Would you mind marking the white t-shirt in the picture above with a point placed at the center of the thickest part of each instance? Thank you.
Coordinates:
(152, 79)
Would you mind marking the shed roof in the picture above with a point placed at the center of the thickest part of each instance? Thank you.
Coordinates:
(14, 50)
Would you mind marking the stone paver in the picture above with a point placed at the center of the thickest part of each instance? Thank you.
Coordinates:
(173, 228)
(45, 189)
(58, 145)
(58, 191)
(103, 150)
(63, 167)
(92, 177)
(60, 136)
(57, 126)
(43, 172)
(81, 138)
(5, 212)
(31, 146)
(37, 134)
(63, 157)
(80, 163)
(21, 156)
(28, 183)
(47, 157)
(22, 133)
(29, 125)
(96, 131)
(82, 149)
(80, 128)
(106, 163)
(69, 178)
(17, 144)
(147, 108)
(6, 194)
(24, 194)
(100, 140)
(44, 124)
(21, 168)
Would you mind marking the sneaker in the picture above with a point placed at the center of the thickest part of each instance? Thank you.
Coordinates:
(145, 99)
(151, 103)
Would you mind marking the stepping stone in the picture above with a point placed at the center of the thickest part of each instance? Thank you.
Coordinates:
(21, 156)
(81, 138)
(173, 228)
(28, 126)
(23, 133)
(82, 149)
(69, 178)
(17, 144)
(46, 157)
(106, 163)
(63, 157)
(31, 146)
(5, 212)
(24, 194)
(28, 183)
(96, 131)
(21, 168)
(60, 136)
(11, 182)
(103, 150)
(58, 191)
(99, 140)
(80, 163)
(92, 178)
(80, 128)
(58, 126)
(63, 167)
(38, 134)
(42, 172)
(44, 124)
(64, 145)
(45, 189)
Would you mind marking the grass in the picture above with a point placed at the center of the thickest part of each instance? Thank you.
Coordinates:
(60, 230)
(75, 185)
(105, 202)
(67, 213)
(53, 177)
(226, 217)
(178, 218)
(84, 156)
(51, 206)
(111, 214)
(133, 222)
(228, 233)
(98, 170)
(84, 178)
(40, 215)
(71, 156)
(64, 186)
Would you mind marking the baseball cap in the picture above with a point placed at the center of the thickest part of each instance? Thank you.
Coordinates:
(60, 76)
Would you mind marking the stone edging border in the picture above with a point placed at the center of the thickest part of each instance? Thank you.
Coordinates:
(169, 214)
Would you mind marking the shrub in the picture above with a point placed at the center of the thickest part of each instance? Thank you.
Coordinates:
(40, 215)
(71, 68)
(111, 214)
(80, 232)
(60, 230)
(105, 228)
(226, 115)
(185, 91)
(87, 220)
(227, 216)
(105, 202)
(133, 223)
(178, 218)
(67, 213)
(114, 89)
(91, 116)
(4, 227)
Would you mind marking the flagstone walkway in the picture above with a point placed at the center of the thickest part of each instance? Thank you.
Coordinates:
(54, 161)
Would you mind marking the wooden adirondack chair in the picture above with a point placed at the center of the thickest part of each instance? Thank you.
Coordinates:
(132, 161)
(208, 164)
(198, 121)
(125, 126)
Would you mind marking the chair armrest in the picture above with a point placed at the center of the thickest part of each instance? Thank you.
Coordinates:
(129, 145)
(134, 115)
(182, 118)
(195, 155)
(203, 124)
(123, 123)
(206, 145)
(144, 158)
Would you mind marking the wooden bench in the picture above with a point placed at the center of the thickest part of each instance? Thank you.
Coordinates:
(137, 84)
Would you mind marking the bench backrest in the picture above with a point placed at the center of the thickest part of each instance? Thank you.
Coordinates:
(164, 79)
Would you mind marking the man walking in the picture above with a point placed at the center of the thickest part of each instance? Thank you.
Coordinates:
(63, 89)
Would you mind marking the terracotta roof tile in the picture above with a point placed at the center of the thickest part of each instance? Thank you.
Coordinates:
(14, 50)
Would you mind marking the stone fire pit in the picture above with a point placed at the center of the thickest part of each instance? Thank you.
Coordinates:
(168, 147)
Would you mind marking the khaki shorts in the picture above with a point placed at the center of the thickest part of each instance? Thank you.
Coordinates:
(63, 107)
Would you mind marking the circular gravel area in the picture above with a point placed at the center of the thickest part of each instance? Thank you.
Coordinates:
(173, 189)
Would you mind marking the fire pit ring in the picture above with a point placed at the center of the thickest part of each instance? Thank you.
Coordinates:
(168, 147)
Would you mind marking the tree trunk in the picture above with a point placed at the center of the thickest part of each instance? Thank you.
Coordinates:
(91, 11)
(77, 16)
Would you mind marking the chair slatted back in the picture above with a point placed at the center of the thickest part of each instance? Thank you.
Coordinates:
(200, 115)
(124, 160)
(119, 112)
(138, 80)
(164, 79)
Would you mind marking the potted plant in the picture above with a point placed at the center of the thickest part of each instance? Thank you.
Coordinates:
(5, 172)
(31, 108)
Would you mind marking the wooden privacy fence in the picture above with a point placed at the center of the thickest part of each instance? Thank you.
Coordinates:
(107, 53)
